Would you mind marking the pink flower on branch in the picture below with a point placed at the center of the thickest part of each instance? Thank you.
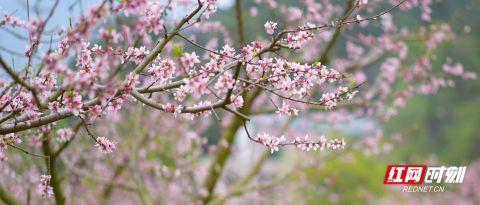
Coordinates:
(104, 145)
(73, 103)
(44, 187)
(270, 27)
(225, 82)
(286, 109)
(270, 141)
(304, 144)
(189, 60)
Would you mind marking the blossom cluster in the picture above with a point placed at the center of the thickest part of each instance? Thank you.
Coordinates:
(104, 145)
(44, 187)
(8, 19)
(270, 141)
(270, 27)
(304, 144)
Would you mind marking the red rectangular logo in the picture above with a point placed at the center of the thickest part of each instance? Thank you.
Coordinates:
(405, 174)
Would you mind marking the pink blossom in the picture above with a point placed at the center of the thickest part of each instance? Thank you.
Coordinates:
(84, 59)
(426, 10)
(178, 109)
(94, 112)
(11, 20)
(181, 93)
(44, 187)
(247, 52)
(104, 145)
(130, 82)
(351, 95)
(297, 39)
(225, 82)
(135, 54)
(336, 144)
(270, 141)
(237, 101)
(197, 85)
(212, 66)
(64, 134)
(286, 109)
(228, 51)
(305, 145)
(211, 8)
(189, 60)
(164, 70)
(169, 107)
(73, 103)
(330, 100)
(270, 27)
(456, 69)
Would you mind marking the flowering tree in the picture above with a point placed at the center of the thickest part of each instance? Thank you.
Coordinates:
(121, 54)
